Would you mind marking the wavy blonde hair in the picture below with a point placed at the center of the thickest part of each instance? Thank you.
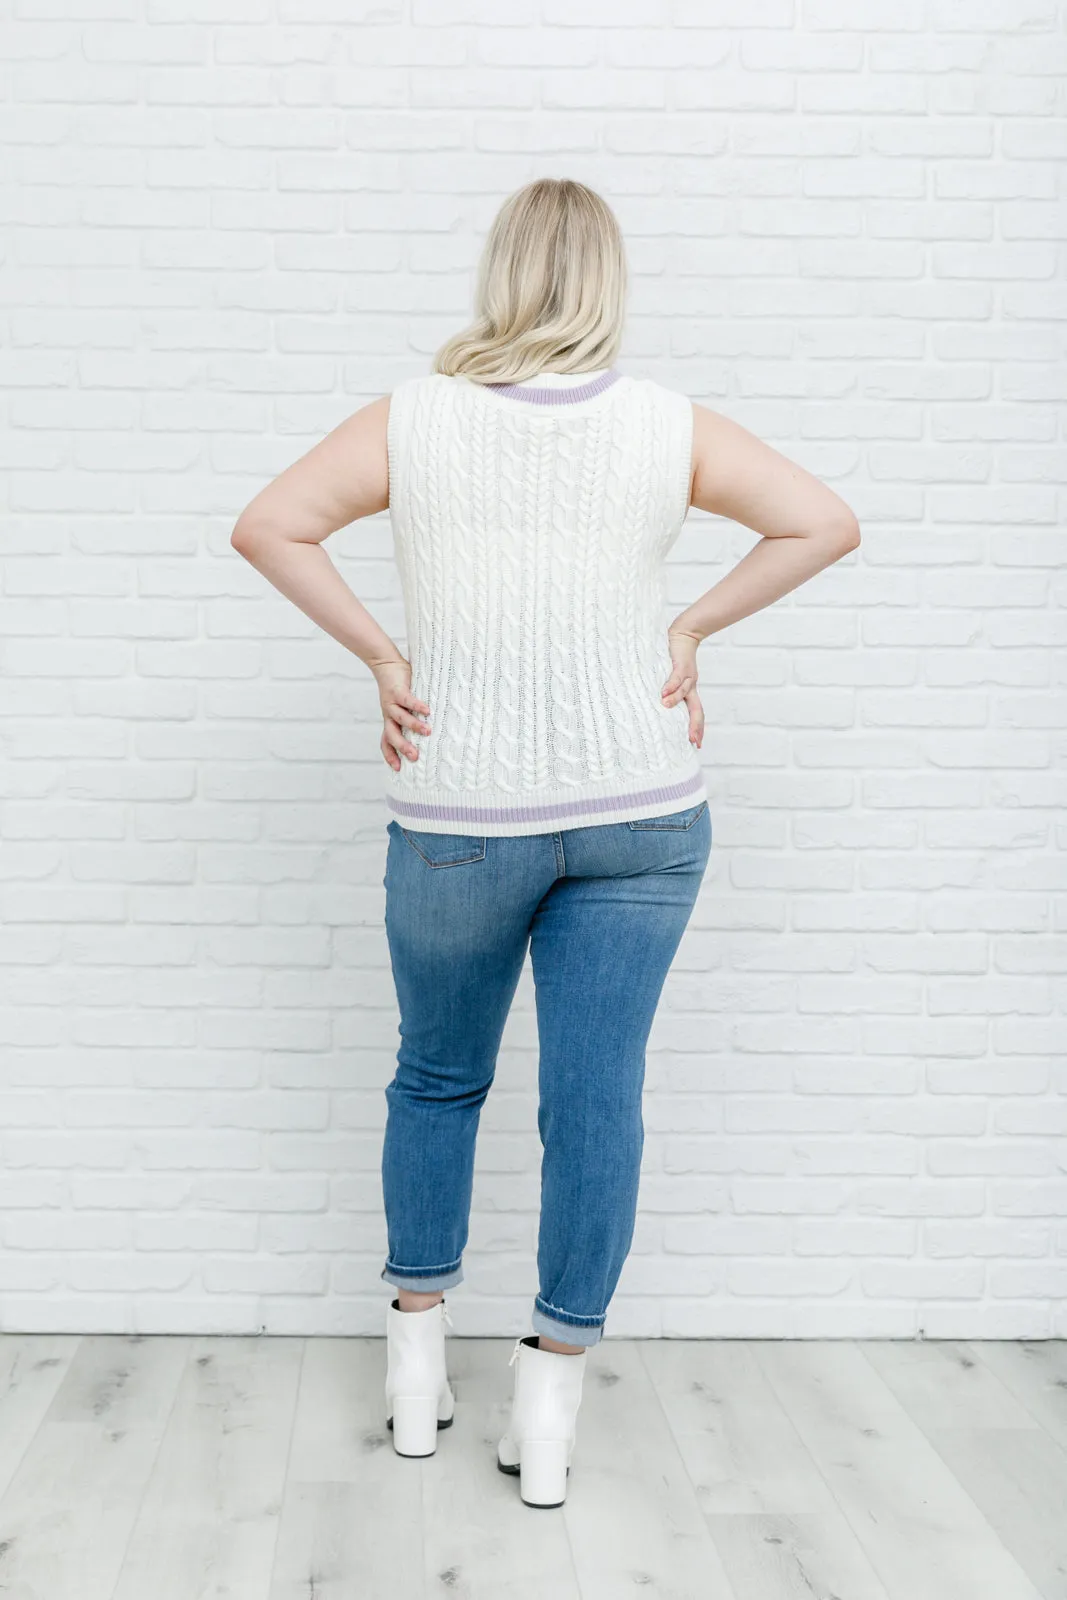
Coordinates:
(551, 289)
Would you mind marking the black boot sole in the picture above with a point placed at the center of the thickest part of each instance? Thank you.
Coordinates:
(440, 1425)
(406, 1455)
(535, 1505)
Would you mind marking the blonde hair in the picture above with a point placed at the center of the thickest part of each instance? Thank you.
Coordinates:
(551, 289)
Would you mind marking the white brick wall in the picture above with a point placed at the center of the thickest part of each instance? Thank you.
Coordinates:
(230, 222)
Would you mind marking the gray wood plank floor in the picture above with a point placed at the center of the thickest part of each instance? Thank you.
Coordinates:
(261, 1469)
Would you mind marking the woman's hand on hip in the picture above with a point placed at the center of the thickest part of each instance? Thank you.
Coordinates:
(682, 683)
(400, 709)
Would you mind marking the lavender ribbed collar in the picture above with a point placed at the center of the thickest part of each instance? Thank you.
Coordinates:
(565, 394)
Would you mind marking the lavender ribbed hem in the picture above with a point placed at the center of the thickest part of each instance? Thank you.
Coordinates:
(415, 811)
(566, 394)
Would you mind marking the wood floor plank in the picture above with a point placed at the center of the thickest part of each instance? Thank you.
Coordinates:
(32, 1367)
(942, 1383)
(741, 1450)
(793, 1557)
(344, 1541)
(66, 1517)
(631, 1513)
(339, 1431)
(772, 1516)
(1013, 1470)
(352, 1520)
(924, 1535)
(1035, 1370)
(209, 1519)
(1018, 1478)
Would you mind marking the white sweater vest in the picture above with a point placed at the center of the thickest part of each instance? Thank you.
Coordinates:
(530, 525)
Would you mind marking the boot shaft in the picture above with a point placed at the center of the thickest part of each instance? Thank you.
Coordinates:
(548, 1391)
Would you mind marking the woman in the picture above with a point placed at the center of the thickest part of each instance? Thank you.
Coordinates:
(544, 783)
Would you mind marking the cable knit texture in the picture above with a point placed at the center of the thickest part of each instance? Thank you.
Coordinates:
(530, 539)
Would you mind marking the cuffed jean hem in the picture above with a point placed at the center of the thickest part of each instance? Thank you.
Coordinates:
(422, 1283)
(566, 1332)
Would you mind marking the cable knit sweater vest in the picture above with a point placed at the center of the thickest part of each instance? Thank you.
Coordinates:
(530, 526)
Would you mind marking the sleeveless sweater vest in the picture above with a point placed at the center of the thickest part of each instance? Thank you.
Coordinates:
(530, 527)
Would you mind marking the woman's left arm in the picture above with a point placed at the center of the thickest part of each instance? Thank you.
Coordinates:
(281, 533)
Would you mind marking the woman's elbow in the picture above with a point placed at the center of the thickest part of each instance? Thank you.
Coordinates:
(849, 534)
(249, 533)
(842, 535)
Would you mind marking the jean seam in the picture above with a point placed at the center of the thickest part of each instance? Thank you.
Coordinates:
(462, 861)
(570, 1316)
(653, 825)
(424, 1272)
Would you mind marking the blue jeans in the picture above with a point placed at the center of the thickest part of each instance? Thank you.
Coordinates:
(602, 910)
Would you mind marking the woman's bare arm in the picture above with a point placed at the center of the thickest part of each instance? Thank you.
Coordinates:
(804, 525)
(344, 477)
(280, 532)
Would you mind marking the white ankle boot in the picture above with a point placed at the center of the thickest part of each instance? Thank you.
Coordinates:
(418, 1395)
(540, 1438)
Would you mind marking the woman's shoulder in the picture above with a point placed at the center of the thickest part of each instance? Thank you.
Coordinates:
(650, 398)
(655, 388)
(420, 380)
(409, 396)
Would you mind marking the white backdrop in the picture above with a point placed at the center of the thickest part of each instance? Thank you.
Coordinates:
(228, 223)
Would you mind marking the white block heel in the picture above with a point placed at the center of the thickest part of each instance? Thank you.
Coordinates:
(539, 1441)
(414, 1425)
(418, 1396)
(543, 1470)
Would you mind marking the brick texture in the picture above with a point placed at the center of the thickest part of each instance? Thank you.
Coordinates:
(228, 225)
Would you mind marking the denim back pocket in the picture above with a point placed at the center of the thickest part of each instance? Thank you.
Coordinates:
(677, 820)
(445, 849)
